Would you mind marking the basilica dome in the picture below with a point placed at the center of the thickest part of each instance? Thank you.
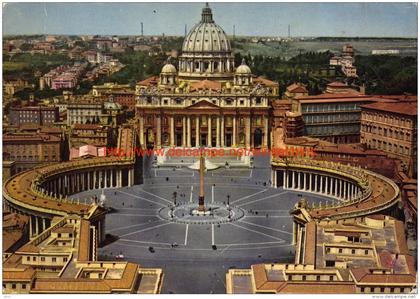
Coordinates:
(206, 36)
(206, 51)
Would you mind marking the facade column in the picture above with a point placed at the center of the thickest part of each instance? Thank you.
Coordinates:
(158, 131)
(316, 183)
(141, 120)
(197, 131)
(234, 131)
(120, 173)
(265, 139)
(112, 178)
(209, 131)
(217, 131)
(184, 131)
(222, 132)
(304, 180)
(172, 131)
(188, 131)
(248, 132)
(106, 179)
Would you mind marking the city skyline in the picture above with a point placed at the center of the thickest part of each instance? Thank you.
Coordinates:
(250, 19)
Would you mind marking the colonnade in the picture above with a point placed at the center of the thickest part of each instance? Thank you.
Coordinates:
(36, 223)
(328, 185)
(69, 183)
(225, 135)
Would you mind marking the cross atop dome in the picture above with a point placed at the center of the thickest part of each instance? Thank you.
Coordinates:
(207, 15)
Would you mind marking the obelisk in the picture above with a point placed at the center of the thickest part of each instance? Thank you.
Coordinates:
(201, 195)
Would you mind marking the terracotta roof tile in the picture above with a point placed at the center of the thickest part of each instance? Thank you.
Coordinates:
(400, 108)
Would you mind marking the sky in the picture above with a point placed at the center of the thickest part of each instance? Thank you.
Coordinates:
(250, 19)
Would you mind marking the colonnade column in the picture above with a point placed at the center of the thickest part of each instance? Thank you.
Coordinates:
(336, 188)
(285, 177)
(36, 226)
(275, 179)
(293, 179)
(298, 184)
(330, 179)
(310, 182)
(321, 178)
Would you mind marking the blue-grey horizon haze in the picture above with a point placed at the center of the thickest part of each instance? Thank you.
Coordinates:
(250, 18)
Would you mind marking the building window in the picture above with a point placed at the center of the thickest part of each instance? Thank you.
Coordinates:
(372, 290)
(42, 259)
(382, 290)
(13, 286)
(362, 289)
(54, 259)
(24, 286)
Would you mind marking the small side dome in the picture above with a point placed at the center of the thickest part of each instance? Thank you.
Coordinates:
(168, 68)
(243, 68)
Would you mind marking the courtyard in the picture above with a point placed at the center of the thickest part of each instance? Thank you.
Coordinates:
(196, 255)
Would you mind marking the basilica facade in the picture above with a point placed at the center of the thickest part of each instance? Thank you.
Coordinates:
(207, 101)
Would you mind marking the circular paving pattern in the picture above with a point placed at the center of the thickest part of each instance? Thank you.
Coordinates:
(215, 213)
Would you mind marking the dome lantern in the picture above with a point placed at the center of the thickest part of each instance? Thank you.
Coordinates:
(206, 14)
